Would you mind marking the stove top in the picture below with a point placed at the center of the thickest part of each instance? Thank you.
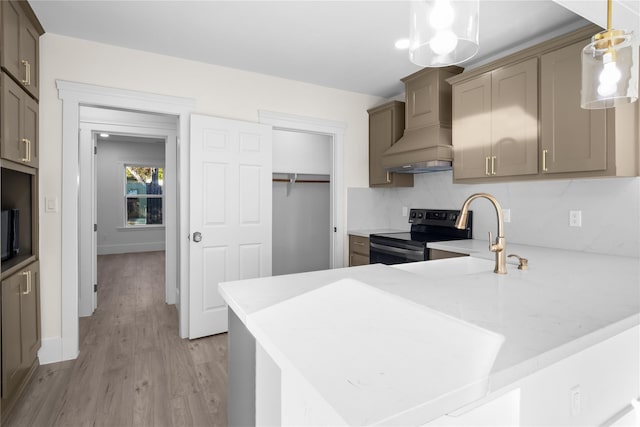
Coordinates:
(427, 225)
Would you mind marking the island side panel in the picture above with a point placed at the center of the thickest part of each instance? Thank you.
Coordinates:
(268, 390)
(241, 371)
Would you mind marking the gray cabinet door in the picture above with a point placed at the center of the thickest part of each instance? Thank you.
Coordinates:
(471, 130)
(10, 51)
(19, 115)
(20, 49)
(572, 139)
(380, 138)
(21, 335)
(386, 126)
(514, 119)
(12, 372)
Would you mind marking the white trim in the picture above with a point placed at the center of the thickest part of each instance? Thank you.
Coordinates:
(73, 95)
(336, 131)
(50, 351)
(130, 248)
(141, 228)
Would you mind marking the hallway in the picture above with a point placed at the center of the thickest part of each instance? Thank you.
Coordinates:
(133, 369)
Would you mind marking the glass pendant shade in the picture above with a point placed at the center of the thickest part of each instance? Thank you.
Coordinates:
(609, 70)
(443, 32)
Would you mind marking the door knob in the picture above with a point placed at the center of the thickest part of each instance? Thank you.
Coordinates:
(197, 237)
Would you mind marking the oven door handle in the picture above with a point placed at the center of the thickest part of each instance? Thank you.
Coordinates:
(409, 253)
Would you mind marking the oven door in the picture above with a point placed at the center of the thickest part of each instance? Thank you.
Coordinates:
(385, 254)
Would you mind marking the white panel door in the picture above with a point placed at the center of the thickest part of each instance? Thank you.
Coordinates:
(230, 214)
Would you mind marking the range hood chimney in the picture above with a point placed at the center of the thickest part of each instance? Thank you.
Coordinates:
(426, 143)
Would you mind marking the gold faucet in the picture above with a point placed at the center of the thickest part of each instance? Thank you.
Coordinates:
(499, 246)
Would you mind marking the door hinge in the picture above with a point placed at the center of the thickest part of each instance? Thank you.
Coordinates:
(95, 227)
(335, 229)
(95, 149)
(95, 287)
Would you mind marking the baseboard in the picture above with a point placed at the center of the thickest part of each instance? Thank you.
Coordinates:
(130, 248)
(50, 350)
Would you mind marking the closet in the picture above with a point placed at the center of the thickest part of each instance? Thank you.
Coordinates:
(302, 165)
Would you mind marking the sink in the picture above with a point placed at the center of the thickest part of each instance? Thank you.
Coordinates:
(450, 267)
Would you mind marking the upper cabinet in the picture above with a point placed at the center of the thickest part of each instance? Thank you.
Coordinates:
(19, 51)
(577, 142)
(572, 139)
(496, 117)
(495, 123)
(19, 118)
(386, 125)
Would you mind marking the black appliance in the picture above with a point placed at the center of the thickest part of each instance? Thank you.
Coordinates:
(427, 225)
(10, 233)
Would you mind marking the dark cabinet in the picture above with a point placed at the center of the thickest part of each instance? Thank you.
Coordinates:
(20, 330)
(386, 126)
(19, 119)
(20, 44)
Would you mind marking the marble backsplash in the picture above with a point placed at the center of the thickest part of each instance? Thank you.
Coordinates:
(539, 210)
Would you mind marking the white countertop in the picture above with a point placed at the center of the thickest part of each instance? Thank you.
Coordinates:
(367, 233)
(566, 302)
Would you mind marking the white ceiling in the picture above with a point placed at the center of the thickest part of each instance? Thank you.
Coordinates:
(342, 44)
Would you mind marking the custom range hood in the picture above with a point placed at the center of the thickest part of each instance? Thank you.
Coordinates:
(426, 143)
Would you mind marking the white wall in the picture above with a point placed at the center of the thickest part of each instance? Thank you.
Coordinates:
(217, 91)
(301, 152)
(301, 227)
(539, 210)
(113, 236)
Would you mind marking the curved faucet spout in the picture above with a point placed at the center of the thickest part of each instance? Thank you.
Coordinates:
(500, 244)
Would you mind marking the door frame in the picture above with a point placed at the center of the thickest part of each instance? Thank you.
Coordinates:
(334, 129)
(73, 95)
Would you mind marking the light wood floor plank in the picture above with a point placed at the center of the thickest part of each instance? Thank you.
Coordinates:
(133, 368)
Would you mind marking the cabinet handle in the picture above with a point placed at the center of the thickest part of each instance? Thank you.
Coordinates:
(358, 243)
(27, 149)
(544, 160)
(27, 69)
(486, 166)
(28, 274)
(493, 165)
(388, 178)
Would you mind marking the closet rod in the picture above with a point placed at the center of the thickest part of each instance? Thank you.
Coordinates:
(300, 180)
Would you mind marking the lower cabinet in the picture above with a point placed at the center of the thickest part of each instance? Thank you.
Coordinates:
(358, 250)
(592, 387)
(20, 331)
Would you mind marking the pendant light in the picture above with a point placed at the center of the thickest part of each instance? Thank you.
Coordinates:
(609, 68)
(443, 32)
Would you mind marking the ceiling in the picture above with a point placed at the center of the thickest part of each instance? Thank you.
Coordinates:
(346, 45)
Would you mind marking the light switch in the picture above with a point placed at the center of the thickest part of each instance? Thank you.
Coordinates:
(51, 204)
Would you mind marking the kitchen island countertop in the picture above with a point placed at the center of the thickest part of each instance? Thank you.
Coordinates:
(564, 303)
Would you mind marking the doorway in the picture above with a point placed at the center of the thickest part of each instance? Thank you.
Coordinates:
(301, 202)
(118, 149)
(334, 131)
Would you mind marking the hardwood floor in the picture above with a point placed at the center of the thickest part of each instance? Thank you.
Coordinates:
(133, 369)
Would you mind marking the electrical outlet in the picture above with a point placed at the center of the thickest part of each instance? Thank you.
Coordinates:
(575, 397)
(575, 218)
(506, 213)
(405, 211)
